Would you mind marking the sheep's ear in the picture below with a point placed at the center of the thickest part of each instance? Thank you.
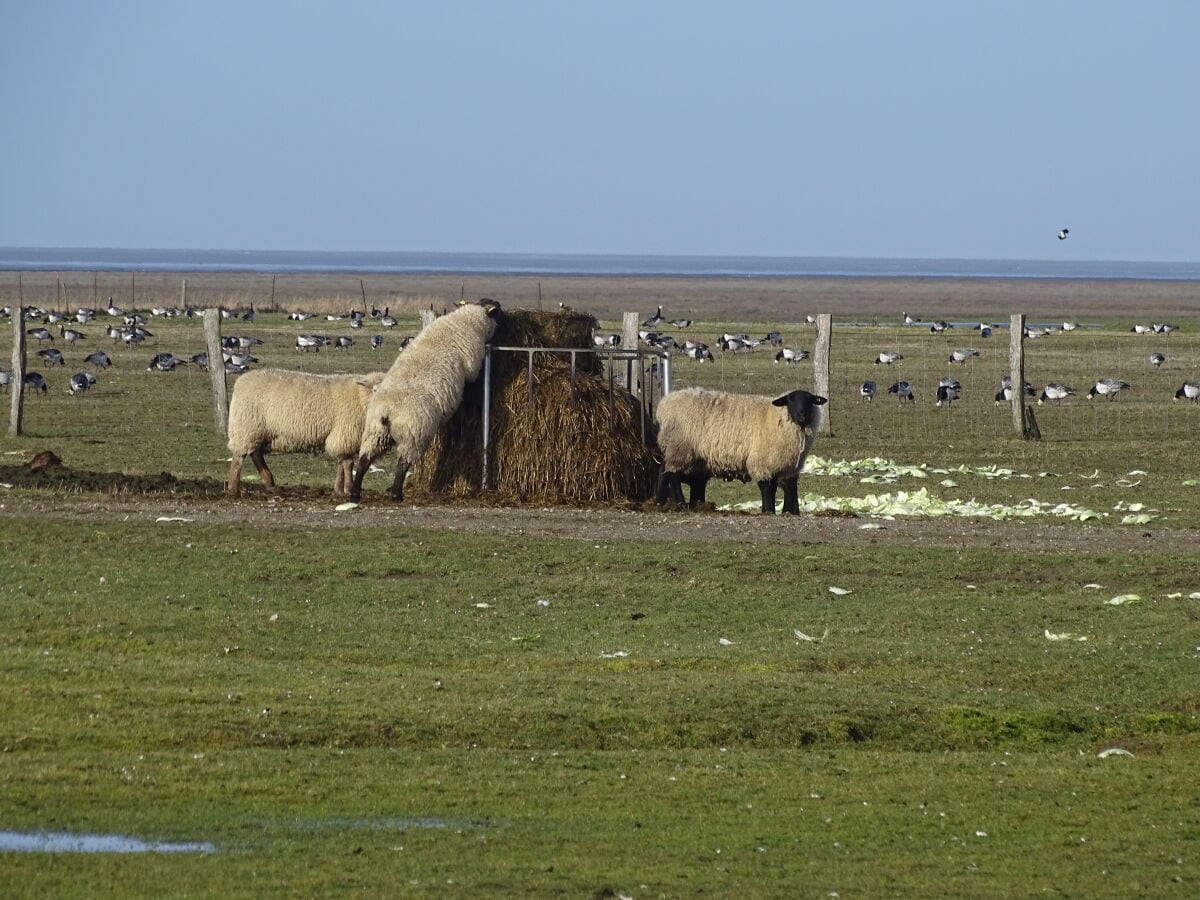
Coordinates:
(492, 307)
(783, 399)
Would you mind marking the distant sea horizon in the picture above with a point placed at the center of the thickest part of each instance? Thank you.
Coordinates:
(101, 259)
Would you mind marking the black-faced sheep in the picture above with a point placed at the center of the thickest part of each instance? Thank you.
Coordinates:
(703, 433)
(296, 412)
(423, 389)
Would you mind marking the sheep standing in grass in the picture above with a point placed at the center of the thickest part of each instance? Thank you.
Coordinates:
(423, 389)
(703, 433)
(294, 412)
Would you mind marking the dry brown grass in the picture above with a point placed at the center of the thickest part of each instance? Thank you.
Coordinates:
(570, 438)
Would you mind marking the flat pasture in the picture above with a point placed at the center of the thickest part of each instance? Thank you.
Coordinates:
(469, 700)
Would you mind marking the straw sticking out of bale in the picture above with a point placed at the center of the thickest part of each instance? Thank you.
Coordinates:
(567, 441)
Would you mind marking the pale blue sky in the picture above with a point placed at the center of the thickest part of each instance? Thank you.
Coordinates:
(903, 129)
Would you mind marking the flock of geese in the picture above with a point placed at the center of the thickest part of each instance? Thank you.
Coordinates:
(949, 389)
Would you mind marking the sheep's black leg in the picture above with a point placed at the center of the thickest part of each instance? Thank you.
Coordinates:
(767, 489)
(791, 497)
(397, 491)
(662, 491)
(360, 470)
(677, 488)
(698, 484)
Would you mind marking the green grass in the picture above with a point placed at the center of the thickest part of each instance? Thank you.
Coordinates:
(148, 690)
(145, 688)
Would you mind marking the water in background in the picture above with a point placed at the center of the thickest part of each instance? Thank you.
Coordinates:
(278, 261)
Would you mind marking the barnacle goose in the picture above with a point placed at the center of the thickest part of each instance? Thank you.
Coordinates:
(946, 394)
(1189, 390)
(1107, 387)
(787, 354)
(1055, 392)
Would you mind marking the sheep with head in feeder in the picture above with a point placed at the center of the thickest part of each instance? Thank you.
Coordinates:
(423, 389)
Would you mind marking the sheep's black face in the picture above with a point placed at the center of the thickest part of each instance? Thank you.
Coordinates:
(801, 406)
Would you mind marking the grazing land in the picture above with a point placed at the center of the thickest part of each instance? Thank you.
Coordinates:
(490, 700)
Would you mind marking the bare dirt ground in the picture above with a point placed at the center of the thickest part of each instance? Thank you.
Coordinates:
(302, 511)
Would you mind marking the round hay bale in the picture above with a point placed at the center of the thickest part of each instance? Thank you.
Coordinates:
(568, 440)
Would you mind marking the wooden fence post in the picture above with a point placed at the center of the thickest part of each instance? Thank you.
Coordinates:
(630, 323)
(216, 368)
(183, 296)
(1024, 422)
(821, 366)
(427, 318)
(18, 366)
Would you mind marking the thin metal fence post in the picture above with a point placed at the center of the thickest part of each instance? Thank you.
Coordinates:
(487, 415)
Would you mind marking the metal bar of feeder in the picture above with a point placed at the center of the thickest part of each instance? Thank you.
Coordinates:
(529, 376)
(487, 414)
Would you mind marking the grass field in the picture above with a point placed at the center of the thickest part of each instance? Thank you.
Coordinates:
(434, 711)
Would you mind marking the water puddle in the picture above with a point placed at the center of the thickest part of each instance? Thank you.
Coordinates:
(66, 842)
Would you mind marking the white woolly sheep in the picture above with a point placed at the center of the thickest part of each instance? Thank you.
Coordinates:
(423, 389)
(296, 412)
(703, 433)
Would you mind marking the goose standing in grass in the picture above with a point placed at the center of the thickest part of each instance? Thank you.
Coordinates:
(115, 311)
(387, 320)
(40, 334)
(165, 362)
(681, 323)
(52, 357)
(36, 381)
(910, 319)
(84, 315)
(343, 343)
(70, 335)
(654, 320)
(787, 354)
(867, 391)
(961, 356)
(1069, 326)
(699, 352)
(946, 394)
(1055, 392)
(376, 341)
(81, 381)
(903, 391)
(306, 342)
(1189, 390)
(1157, 359)
(1107, 387)
(1162, 328)
(99, 358)
(1140, 329)
(887, 357)
(939, 326)
(5, 379)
